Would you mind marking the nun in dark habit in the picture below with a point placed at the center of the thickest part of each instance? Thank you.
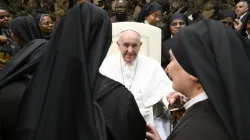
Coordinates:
(68, 99)
(174, 24)
(210, 65)
(150, 14)
(18, 72)
(45, 24)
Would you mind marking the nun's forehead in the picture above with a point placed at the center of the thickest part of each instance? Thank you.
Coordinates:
(178, 19)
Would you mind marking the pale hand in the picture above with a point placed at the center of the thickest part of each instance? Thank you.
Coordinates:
(3, 39)
(176, 98)
(237, 24)
(152, 133)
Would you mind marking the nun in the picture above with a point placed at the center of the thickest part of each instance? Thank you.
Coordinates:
(68, 99)
(45, 24)
(150, 14)
(23, 30)
(210, 65)
(174, 24)
(17, 73)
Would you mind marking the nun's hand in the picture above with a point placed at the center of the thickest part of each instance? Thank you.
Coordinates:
(152, 133)
(237, 24)
(176, 99)
(3, 39)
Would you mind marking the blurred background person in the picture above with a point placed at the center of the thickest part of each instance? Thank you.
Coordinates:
(45, 24)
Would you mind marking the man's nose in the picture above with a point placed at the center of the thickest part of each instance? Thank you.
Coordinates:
(130, 49)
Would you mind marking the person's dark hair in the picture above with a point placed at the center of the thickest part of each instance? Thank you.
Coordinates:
(225, 13)
(196, 14)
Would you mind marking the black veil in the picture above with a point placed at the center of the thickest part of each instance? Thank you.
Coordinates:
(25, 28)
(53, 107)
(217, 55)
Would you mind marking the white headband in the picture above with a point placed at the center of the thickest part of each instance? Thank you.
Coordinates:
(41, 18)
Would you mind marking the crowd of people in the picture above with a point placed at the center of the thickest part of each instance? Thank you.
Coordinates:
(57, 83)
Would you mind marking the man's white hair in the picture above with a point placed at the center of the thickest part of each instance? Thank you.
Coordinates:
(244, 2)
(130, 29)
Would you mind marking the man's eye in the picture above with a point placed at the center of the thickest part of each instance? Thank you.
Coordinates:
(126, 45)
(134, 46)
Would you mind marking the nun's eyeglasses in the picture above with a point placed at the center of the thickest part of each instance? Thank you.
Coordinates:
(156, 16)
(176, 23)
(47, 23)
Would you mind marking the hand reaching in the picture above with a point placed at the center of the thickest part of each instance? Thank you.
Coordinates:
(237, 24)
(3, 39)
(152, 134)
(176, 98)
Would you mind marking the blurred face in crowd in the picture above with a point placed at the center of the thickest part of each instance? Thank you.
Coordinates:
(46, 25)
(129, 45)
(121, 8)
(4, 19)
(176, 25)
(241, 8)
(228, 22)
(154, 18)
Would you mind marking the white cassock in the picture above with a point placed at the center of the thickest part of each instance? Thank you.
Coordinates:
(145, 78)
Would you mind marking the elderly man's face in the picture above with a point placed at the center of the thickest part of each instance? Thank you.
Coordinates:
(4, 19)
(129, 45)
(241, 9)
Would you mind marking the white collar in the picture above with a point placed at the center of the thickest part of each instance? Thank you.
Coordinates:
(196, 99)
(243, 15)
